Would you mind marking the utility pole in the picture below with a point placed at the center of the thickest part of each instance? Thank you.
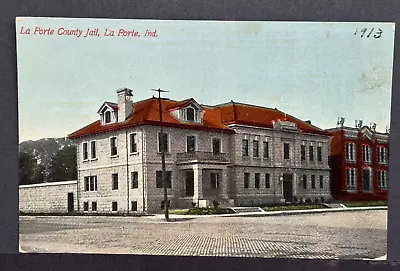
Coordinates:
(162, 149)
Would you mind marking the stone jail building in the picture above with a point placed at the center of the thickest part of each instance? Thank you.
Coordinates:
(235, 153)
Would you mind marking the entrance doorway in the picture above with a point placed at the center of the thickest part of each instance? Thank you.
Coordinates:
(70, 202)
(288, 187)
(189, 183)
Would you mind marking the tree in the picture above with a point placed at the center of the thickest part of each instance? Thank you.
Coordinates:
(63, 165)
(30, 171)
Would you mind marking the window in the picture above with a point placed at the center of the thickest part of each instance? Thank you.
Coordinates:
(159, 182)
(267, 180)
(311, 153)
(216, 145)
(266, 150)
(93, 149)
(133, 143)
(94, 206)
(350, 152)
(134, 206)
(382, 179)
(114, 206)
(303, 152)
(135, 179)
(86, 183)
(245, 147)
(115, 181)
(366, 153)
(214, 180)
(107, 117)
(381, 153)
(246, 180)
(313, 181)
(305, 181)
(286, 151)
(86, 206)
(85, 150)
(257, 180)
(321, 181)
(351, 178)
(190, 144)
(90, 183)
(256, 149)
(163, 142)
(190, 114)
(113, 146)
(319, 154)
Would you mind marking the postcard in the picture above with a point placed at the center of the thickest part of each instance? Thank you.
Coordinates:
(204, 138)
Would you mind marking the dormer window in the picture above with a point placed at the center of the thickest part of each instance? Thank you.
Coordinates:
(108, 113)
(107, 117)
(190, 113)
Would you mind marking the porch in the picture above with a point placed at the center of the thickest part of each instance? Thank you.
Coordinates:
(202, 184)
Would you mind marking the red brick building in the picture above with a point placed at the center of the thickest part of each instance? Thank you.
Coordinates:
(359, 162)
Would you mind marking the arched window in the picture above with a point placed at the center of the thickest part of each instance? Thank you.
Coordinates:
(190, 114)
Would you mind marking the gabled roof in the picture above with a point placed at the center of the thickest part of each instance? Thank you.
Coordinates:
(147, 113)
(111, 105)
(245, 114)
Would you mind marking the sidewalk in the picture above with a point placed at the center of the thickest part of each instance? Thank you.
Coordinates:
(279, 213)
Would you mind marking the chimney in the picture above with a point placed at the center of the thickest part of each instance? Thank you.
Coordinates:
(373, 126)
(125, 104)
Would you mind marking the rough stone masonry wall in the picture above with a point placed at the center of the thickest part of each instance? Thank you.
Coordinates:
(46, 198)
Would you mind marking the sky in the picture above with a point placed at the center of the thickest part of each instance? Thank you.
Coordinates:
(312, 70)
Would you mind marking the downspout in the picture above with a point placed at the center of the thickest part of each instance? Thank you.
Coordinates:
(78, 176)
(143, 188)
(127, 169)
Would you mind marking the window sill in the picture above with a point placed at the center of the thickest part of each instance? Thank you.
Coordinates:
(133, 153)
(351, 161)
(257, 158)
(94, 159)
(114, 156)
(85, 160)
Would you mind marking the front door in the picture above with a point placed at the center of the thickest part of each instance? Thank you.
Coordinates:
(366, 179)
(70, 202)
(287, 187)
(189, 183)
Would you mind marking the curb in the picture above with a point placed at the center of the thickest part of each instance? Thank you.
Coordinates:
(283, 213)
(312, 211)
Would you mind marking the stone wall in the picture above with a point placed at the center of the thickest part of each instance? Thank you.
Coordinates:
(47, 197)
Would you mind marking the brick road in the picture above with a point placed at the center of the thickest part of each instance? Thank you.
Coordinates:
(347, 235)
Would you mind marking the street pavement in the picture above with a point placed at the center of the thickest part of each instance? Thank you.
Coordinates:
(338, 235)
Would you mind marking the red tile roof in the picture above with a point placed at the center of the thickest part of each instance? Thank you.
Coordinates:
(146, 112)
(238, 113)
(215, 118)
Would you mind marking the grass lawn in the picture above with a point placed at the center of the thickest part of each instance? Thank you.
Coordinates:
(293, 207)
